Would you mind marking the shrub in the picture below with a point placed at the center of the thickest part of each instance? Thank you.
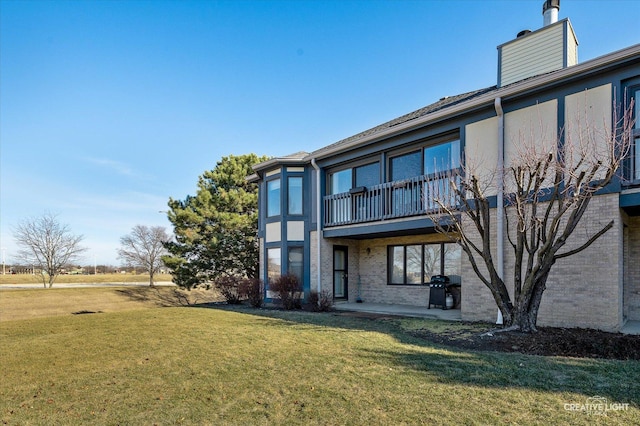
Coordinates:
(252, 289)
(322, 302)
(325, 304)
(289, 290)
(229, 288)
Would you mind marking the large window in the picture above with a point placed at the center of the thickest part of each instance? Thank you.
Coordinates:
(294, 190)
(274, 263)
(366, 175)
(430, 160)
(406, 166)
(296, 264)
(417, 263)
(273, 197)
(442, 157)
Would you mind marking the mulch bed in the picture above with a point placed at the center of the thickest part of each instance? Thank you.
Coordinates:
(548, 341)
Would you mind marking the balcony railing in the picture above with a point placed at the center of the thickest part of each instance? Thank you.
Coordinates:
(391, 200)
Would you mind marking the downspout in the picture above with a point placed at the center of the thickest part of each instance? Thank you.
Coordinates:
(500, 196)
(318, 227)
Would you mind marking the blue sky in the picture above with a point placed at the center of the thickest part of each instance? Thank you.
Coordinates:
(108, 108)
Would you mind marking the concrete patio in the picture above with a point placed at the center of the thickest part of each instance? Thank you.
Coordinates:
(401, 310)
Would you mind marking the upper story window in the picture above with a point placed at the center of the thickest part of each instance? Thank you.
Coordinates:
(294, 191)
(636, 135)
(442, 157)
(406, 166)
(273, 197)
(427, 161)
(353, 177)
(632, 165)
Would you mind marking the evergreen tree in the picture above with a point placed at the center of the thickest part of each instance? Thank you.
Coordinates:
(216, 230)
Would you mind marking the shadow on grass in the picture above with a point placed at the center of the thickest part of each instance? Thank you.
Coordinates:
(615, 380)
(168, 296)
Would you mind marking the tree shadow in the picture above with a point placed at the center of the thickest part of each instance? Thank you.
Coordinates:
(585, 376)
(170, 296)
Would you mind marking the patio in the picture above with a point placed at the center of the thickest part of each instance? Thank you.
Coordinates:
(401, 310)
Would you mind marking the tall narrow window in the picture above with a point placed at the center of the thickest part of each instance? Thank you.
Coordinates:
(295, 195)
(414, 263)
(636, 135)
(432, 261)
(296, 264)
(273, 264)
(396, 264)
(273, 197)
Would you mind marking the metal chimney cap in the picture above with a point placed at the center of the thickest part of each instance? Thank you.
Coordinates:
(549, 4)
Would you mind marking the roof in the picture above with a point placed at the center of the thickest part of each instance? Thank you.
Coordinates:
(454, 105)
(295, 158)
(436, 106)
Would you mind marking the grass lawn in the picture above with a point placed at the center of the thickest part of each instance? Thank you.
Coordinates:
(199, 365)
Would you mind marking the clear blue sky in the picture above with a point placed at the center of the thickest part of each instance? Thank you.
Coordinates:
(108, 108)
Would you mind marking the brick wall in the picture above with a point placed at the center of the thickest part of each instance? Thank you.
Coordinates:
(373, 273)
(583, 290)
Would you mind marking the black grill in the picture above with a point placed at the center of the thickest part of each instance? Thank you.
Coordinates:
(440, 287)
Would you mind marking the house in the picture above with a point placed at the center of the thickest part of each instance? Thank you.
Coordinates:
(350, 218)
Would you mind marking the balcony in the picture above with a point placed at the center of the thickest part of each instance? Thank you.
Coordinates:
(391, 200)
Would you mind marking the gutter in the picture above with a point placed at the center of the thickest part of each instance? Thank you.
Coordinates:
(500, 196)
(318, 227)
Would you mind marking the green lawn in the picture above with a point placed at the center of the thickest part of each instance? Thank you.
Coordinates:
(197, 365)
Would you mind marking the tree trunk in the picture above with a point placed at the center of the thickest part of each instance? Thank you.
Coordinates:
(151, 284)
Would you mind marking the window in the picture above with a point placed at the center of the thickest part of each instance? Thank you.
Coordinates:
(295, 195)
(341, 181)
(636, 135)
(416, 264)
(406, 166)
(366, 175)
(432, 159)
(296, 264)
(273, 264)
(273, 197)
(442, 157)
(632, 166)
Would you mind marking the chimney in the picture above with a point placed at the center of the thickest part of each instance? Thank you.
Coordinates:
(550, 10)
(531, 53)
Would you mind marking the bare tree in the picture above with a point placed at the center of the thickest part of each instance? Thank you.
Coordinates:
(48, 245)
(548, 190)
(144, 248)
